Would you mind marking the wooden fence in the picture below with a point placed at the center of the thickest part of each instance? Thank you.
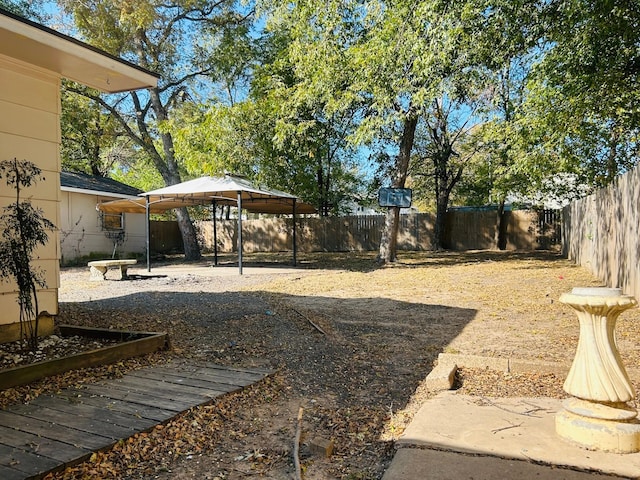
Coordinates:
(600, 232)
(465, 230)
(164, 237)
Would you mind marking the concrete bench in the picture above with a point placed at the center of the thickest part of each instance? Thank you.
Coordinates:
(98, 268)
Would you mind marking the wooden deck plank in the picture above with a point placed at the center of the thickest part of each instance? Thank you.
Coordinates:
(219, 368)
(7, 473)
(219, 383)
(26, 462)
(161, 387)
(29, 442)
(196, 371)
(201, 366)
(200, 375)
(237, 378)
(79, 422)
(92, 441)
(167, 391)
(253, 370)
(137, 410)
(62, 429)
(118, 393)
(102, 413)
(153, 395)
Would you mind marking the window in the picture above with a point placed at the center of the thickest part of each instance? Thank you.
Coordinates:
(112, 221)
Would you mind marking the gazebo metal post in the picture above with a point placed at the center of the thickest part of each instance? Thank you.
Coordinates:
(240, 232)
(215, 233)
(294, 233)
(148, 233)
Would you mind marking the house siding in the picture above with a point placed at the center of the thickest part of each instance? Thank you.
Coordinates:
(30, 130)
(81, 231)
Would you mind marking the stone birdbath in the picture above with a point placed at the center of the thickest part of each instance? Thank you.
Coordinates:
(597, 416)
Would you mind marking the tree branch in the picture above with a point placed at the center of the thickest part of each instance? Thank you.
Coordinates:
(111, 109)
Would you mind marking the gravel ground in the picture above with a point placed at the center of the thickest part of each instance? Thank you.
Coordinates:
(350, 343)
(13, 354)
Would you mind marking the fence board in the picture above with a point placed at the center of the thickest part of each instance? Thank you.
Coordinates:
(600, 233)
(464, 230)
(164, 237)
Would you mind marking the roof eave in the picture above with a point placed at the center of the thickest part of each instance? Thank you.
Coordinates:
(38, 45)
(98, 193)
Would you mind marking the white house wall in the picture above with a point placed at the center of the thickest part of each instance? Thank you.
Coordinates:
(30, 130)
(81, 231)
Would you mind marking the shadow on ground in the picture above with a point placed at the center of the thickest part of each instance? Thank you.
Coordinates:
(372, 356)
(363, 261)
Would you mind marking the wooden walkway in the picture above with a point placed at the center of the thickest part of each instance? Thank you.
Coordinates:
(54, 431)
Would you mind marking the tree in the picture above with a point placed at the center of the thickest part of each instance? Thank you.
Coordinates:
(24, 228)
(442, 151)
(308, 150)
(272, 136)
(92, 141)
(173, 38)
(565, 116)
(390, 60)
(516, 38)
(583, 110)
(506, 46)
(25, 8)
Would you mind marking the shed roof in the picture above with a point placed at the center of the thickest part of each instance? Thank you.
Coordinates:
(107, 187)
(43, 47)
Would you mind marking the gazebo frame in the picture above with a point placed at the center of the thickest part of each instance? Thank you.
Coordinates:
(215, 191)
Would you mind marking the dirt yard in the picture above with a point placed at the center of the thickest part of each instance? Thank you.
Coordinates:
(350, 343)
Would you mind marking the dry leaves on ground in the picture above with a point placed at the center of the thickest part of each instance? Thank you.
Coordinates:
(490, 383)
(358, 376)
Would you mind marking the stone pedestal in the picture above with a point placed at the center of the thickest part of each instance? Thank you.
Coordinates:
(598, 416)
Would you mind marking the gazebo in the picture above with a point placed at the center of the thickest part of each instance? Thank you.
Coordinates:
(227, 190)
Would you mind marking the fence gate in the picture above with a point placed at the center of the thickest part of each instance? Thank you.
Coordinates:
(549, 231)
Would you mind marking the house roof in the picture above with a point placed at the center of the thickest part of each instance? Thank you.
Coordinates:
(38, 45)
(91, 184)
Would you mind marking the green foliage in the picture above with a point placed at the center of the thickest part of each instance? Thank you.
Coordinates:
(24, 228)
(507, 49)
(137, 172)
(180, 39)
(278, 136)
(593, 56)
(30, 9)
(382, 64)
(294, 98)
(583, 107)
(92, 141)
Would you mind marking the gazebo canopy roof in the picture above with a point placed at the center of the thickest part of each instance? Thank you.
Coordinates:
(206, 191)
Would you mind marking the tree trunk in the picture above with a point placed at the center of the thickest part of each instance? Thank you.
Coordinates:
(168, 167)
(166, 163)
(442, 202)
(501, 230)
(322, 197)
(441, 181)
(189, 237)
(446, 174)
(389, 240)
